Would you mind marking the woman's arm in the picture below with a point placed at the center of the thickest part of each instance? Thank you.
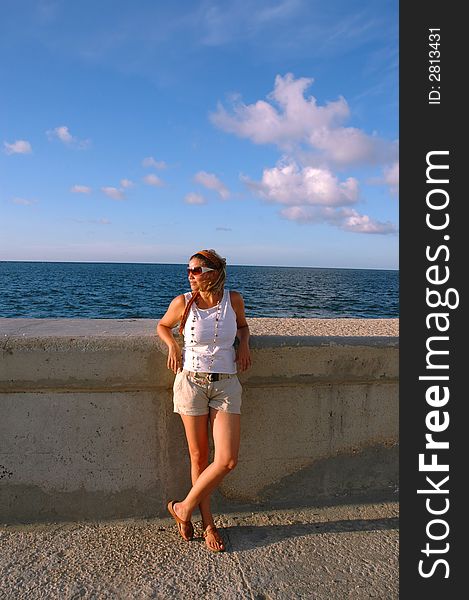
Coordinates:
(243, 354)
(164, 330)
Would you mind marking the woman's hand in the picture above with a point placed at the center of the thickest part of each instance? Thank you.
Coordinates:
(174, 358)
(243, 356)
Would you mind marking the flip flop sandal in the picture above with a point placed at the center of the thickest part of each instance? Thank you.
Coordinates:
(180, 522)
(211, 530)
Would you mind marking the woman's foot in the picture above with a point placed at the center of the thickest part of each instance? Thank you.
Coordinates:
(213, 539)
(184, 525)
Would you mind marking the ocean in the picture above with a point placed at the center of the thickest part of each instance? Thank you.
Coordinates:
(143, 291)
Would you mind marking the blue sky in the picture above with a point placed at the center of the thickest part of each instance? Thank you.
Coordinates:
(144, 131)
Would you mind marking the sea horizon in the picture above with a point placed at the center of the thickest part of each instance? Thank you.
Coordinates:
(119, 262)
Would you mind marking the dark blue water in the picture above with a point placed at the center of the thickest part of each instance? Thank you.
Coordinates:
(143, 291)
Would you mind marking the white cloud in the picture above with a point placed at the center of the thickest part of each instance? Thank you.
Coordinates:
(80, 189)
(153, 179)
(149, 161)
(391, 177)
(344, 218)
(223, 229)
(194, 199)
(18, 147)
(113, 193)
(126, 183)
(315, 142)
(292, 121)
(313, 195)
(297, 118)
(23, 202)
(288, 184)
(63, 134)
(348, 145)
(211, 182)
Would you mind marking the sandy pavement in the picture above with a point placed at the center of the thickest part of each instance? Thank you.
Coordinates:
(324, 327)
(327, 553)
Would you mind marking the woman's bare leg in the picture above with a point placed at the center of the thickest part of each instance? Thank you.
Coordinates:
(196, 429)
(226, 436)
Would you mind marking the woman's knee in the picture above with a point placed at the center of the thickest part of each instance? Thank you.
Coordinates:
(227, 463)
(199, 457)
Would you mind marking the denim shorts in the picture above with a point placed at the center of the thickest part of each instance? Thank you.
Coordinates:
(194, 396)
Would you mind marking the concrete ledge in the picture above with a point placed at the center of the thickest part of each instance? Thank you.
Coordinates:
(88, 430)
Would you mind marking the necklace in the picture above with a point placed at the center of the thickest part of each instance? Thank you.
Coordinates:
(196, 366)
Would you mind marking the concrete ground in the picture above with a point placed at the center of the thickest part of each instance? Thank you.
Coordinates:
(325, 553)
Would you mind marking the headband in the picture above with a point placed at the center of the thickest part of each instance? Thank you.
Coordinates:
(212, 258)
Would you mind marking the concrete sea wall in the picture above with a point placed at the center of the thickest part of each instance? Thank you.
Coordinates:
(87, 428)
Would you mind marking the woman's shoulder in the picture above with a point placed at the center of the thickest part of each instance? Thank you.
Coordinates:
(179, 300)
(175, 311)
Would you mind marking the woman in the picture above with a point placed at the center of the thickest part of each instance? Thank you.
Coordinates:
(206, 388)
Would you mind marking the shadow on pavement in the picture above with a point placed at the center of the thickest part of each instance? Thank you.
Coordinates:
(247, 537)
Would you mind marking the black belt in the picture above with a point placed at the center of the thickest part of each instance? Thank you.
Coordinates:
(209, 376)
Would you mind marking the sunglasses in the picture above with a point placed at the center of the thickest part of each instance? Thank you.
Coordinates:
(198, 270)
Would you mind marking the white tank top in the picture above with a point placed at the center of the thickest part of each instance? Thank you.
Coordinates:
(209, 334)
